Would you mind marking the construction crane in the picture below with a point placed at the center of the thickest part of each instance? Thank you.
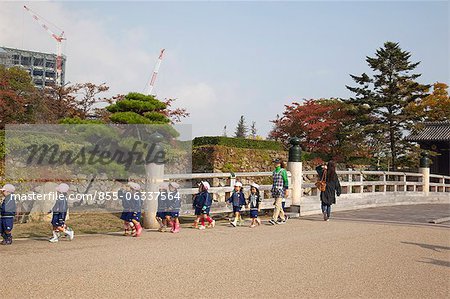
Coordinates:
(149, 88)
(58, 38)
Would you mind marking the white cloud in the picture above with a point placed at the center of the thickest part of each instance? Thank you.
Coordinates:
(201, 101)
(98, 50)
(93, 55)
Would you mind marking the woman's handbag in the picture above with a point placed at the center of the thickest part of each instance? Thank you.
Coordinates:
(322, 184)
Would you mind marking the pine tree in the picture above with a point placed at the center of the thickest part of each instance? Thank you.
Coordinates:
(241, 129)
(253, 130)
(380, 100)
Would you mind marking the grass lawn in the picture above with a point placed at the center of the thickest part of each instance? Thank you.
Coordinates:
(82, 223)
(93, 223)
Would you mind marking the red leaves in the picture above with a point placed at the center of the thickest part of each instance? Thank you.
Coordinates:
(175, 115)
(316, 122)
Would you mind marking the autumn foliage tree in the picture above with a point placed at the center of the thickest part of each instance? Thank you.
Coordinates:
(434, 107)
(324, 128)
(88, 94)
(15, 88)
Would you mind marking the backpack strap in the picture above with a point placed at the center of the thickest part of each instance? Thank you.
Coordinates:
(324, 176)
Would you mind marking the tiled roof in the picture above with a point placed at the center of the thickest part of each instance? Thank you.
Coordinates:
(432, 131)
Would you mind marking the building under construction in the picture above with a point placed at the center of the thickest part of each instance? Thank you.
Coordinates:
(41, 66)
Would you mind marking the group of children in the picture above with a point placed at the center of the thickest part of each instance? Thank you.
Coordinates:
(238, 200)
(59, 210)
(167, 215)
(168, 207)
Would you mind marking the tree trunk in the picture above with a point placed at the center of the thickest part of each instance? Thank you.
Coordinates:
(393, 146)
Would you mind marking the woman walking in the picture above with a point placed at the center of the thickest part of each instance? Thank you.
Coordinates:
(333, 187)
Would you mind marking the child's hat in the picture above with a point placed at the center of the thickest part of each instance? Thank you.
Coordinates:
(164, 186)
(63, 188)
(134, 186)
(277, 160)
(238, 184)
(205, 185)
(254, 185)
(9, 188)
(175, 185)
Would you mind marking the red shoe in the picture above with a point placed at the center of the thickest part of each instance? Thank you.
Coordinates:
(177, 228)
(138, 230)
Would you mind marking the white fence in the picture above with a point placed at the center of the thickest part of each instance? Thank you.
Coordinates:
(356, 185)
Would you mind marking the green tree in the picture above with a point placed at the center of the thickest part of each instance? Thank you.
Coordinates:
(241, 129)
(253, 130)
(381, 99)
(137, 108)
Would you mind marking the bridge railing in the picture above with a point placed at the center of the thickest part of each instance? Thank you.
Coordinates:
(222, 185)
(357, 182)
(439, 183)
(353, 183)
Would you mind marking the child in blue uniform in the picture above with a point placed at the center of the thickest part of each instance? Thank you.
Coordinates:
(7, 212)
(202, 205)
(162, 214)
(59, 214)
(174, 206)
(125, 216)
(253, 201)
(135, 209)
(237, 199)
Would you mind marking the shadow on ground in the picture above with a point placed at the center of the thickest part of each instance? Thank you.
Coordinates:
(436, 262)
(437, 248)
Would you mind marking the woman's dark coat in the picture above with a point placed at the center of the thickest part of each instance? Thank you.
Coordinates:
(333, 188)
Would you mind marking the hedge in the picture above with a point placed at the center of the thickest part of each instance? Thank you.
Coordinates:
(238, 142)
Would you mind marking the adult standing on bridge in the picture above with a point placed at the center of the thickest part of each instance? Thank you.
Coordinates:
(279, 190)
(333, 187)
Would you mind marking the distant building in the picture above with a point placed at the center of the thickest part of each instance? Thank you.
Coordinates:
(41, 66)
(435, 136)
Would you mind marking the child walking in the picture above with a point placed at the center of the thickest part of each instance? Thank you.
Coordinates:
(59, 214)
(125, 216)
(253, 201)
(7, 213)
(135, 209)
(202, 205)
(175, 205)
(162, 214)
(237, 199)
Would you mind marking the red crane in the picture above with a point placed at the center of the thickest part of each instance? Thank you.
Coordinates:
(58, 38)
(149, 89)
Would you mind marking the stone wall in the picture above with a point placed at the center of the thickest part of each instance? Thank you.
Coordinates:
(217, 158)
(223, 159)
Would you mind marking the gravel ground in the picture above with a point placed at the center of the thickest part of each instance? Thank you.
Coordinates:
(343, 258)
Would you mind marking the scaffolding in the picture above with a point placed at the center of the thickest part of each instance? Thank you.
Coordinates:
(40, 66)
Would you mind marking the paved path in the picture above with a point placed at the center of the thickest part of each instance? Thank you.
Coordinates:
(344, 258)
(403, 214)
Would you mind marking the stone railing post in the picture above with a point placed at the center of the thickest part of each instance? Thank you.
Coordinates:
(155, 176)
(295, 167)
(424, 169)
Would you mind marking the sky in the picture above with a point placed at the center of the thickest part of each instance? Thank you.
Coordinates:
(227, 59)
